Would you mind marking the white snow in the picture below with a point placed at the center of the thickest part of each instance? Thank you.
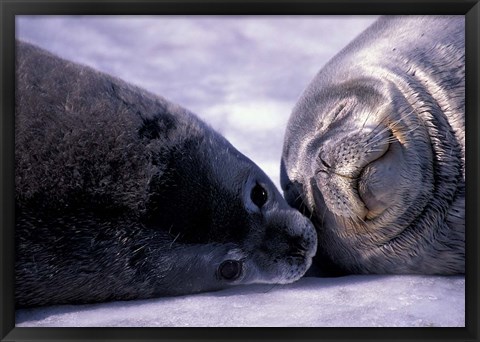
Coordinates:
(242, 75)
(353, 301)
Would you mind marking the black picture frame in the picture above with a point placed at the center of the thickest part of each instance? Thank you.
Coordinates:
(10, 8)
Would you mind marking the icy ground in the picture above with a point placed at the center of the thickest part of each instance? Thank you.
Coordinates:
(242, 75)
(353, 301)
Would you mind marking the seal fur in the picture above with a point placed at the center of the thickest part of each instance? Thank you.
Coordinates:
(123, 195)
(374, 151)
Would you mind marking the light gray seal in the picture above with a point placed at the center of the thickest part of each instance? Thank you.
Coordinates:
(122, 195)
(374, 151)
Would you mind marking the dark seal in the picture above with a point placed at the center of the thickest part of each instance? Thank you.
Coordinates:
(374, 151)
(122, 195)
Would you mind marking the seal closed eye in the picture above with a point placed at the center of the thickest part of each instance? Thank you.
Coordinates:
(122, 195)
(374, 150)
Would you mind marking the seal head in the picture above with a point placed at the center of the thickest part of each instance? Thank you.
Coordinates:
(374, 152)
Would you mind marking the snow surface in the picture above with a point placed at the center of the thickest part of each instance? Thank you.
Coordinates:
(242, 75)
(352, 301)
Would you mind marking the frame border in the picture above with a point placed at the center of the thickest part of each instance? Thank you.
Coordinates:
(10, 8)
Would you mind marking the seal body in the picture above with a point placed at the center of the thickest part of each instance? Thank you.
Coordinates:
(122, 195)
(374, 151)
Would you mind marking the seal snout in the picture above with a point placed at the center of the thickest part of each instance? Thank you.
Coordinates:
(339, 165)
(303, 242)
(300, 237)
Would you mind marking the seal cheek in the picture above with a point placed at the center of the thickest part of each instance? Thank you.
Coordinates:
(379, 183)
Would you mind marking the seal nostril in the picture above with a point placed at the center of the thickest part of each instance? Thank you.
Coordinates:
(230, 269)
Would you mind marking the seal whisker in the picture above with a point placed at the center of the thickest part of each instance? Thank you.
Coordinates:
(366, 119)
(373, 150)
(411, 129)
(391, 125)
(175, 239)
(382, 121)
(303, 206)
(376, 138)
